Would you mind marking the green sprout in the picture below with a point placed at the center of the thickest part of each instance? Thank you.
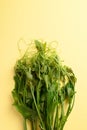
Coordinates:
(44, 91)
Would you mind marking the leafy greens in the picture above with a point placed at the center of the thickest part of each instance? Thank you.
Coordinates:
(44, 91)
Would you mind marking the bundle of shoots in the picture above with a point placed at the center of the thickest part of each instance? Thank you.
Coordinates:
(44, 91)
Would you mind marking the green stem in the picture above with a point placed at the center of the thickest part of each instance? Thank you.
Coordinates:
(34, 125)
(25, 124)
(71, 104)
(37, 108)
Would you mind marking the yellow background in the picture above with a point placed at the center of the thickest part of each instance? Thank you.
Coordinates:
(61, 20)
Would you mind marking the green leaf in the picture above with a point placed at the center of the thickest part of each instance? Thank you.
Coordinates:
(26, 112)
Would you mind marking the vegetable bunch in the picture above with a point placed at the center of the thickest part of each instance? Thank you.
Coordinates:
(44, 89)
